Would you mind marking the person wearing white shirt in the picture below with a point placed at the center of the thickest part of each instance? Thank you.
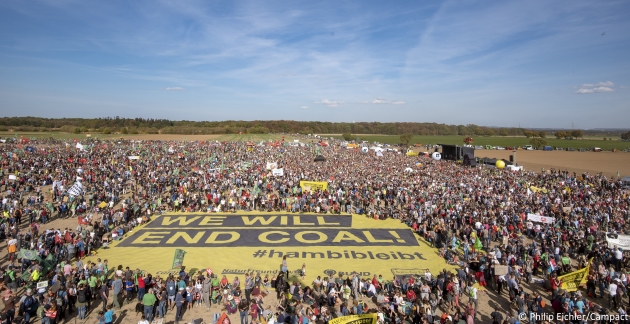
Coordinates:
(612, 293)
(618, 258)
(371, 290)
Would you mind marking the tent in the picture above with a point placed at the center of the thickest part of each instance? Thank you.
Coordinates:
(320, 158)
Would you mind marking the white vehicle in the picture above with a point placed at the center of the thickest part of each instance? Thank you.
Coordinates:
(499, 148)
(528, 148)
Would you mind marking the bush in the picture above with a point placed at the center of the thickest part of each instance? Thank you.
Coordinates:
(348, 137)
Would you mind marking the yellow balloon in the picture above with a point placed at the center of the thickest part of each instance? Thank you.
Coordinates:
(500, 164)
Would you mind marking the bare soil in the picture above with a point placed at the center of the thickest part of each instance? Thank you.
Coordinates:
(607, 163)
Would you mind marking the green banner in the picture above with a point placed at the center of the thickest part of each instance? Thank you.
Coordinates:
(178, 258)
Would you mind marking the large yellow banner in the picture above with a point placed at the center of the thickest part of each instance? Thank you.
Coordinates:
(355, 319)
(572, 281)
(313, 185)
(235, 244)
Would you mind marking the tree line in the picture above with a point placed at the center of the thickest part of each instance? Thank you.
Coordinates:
(164, 126)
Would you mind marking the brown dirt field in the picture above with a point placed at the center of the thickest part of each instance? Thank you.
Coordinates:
(592, 162)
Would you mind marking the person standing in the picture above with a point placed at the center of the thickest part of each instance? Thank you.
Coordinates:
(9, 305)
(82, 299)
(612, 293)
(117, 285)
(618, 258)
(205, 291)
(285, 267)
(249, 285)
(148, 300)
(243, 310)
(104, 293)
(162, 298)
(179, 304)
(171, 291)
(280, 285)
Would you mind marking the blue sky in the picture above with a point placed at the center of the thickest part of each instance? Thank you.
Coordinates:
(497, 63)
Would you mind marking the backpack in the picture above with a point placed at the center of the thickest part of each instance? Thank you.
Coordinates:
(60, 297)
(170, 287)
(28, 302)
(81, 296)
(8, 277)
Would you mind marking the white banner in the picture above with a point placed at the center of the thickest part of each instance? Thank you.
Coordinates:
(133, 157)
(79, 146)
(12, 177)
(272, 165)
(277, 172)
(541, 219)
(76, 189)
(619, 240)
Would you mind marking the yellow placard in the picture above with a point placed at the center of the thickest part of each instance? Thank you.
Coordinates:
(235, 244)
(536, 189)
(313, 185)
(355, 319)
(572, 281)
(102, 204)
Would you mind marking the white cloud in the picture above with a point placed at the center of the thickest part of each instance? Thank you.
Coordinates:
(329, 103)
(304, 107)
(587, 88)
(601, 84)
(174, 89)
(388, 102)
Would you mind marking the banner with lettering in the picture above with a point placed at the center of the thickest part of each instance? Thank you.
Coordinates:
(178, 259)
(370, 318)
(313, 185)
(245, 242)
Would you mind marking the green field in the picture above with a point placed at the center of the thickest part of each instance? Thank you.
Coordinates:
(220, 137)
(251, 137)
(497, 141)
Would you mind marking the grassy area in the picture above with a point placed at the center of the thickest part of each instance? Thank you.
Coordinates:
(55, 135)
(222, 137)
(498, 141)
(252, 137)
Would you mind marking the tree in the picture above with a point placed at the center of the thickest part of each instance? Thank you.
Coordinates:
(106, 131)
(348, 137)
(530, 134)
(406, 138)
(542, 134)
(538, 142)
(490, 132)
(503, 132)
(577, 133)
(124, 131)
(560, 134)
(625, 136)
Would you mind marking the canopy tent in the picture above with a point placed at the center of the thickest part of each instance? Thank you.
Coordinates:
(320, 158)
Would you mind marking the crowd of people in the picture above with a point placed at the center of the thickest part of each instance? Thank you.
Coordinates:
(475, 216)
